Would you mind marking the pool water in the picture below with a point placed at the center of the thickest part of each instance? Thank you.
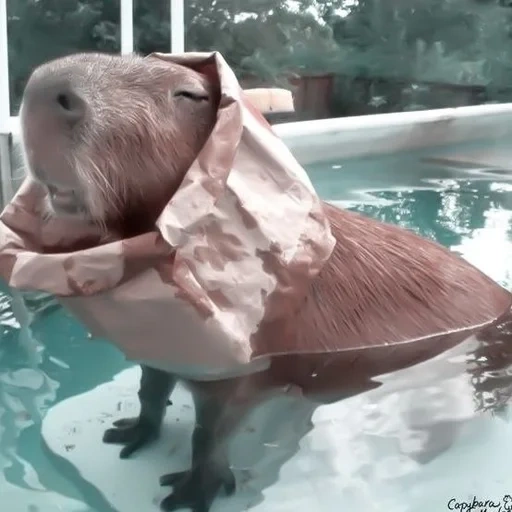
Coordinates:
(463, 209)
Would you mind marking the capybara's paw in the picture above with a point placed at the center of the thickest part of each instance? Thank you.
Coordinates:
(134, 433)
(198, 488)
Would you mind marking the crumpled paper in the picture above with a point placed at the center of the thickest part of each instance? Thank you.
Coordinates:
(237, 245)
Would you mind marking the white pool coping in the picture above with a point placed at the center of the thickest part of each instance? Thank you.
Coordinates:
(330, 139)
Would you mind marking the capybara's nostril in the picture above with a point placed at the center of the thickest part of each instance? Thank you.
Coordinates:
(70, 105)
(64, 101)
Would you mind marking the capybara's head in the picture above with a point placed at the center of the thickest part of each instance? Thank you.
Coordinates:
(110, 137)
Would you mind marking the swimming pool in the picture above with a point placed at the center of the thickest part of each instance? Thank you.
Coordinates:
(466, 207)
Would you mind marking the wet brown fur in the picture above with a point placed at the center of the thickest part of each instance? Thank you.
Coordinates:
(371, 275)
(359, 299)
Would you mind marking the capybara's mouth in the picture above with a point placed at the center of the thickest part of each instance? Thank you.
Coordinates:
(65, 201)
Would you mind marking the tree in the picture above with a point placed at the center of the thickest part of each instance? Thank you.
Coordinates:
(380, 41)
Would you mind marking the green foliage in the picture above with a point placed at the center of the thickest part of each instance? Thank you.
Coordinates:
(40, 30)
(464, 42)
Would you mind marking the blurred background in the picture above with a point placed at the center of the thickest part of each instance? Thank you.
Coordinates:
(341, 57)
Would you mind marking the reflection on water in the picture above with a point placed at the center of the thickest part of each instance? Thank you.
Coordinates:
(52, 358)
(45, 360)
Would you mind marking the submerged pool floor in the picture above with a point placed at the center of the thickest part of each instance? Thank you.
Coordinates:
(55, 359)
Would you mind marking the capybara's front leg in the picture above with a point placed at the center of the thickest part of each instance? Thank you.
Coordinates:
(155, 388)
(210, 471)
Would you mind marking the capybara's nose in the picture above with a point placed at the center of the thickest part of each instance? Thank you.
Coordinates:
(68, 104)
(56, 97)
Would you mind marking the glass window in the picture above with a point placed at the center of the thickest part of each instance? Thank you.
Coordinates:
(355, 57)
(340, 57)
(151, 26)
(40, 30)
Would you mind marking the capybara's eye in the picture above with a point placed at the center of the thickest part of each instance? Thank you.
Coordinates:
(195, 96)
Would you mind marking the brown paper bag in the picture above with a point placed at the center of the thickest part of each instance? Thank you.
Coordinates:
(238, 244)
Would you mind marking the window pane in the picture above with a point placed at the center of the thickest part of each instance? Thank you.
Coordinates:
(341, 57)
(353, 57)
(151, 26)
